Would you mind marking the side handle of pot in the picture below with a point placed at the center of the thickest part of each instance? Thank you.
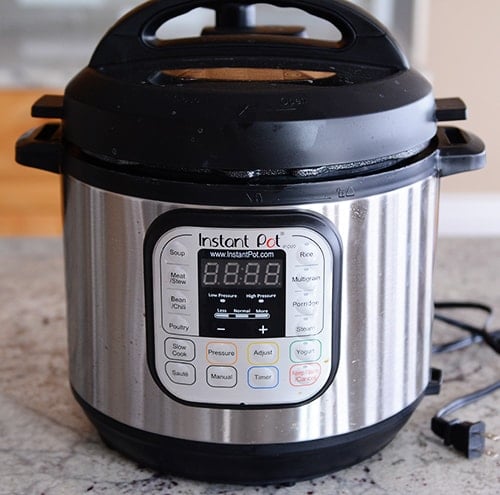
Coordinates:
(41, 148)
(459, 151)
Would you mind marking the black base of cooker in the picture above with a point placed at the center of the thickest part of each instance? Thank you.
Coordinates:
(246, 464)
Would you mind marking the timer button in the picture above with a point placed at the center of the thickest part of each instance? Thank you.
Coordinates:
(308, 253)
(263, 377)
(176, 252)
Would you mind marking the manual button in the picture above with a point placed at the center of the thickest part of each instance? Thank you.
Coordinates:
(222, 376)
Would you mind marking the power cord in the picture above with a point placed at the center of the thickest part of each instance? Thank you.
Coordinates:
(465, 436)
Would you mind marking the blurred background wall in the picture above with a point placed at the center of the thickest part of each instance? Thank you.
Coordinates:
(43, 43)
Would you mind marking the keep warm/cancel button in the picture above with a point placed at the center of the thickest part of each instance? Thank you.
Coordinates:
(303, 375)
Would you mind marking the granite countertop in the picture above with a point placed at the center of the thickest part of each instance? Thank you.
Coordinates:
(48, 447)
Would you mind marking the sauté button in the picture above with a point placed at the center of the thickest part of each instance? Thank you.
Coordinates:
(263, 377)
(180, 350)
(222, 376)
(181, 373)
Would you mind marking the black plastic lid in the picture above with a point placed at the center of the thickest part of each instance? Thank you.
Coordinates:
(246, 99)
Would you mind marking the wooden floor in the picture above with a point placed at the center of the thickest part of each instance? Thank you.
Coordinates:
(29, 199)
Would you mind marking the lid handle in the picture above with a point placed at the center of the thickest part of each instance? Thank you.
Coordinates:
(364, 40)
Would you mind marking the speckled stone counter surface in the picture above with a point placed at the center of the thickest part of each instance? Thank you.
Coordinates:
(48, 447)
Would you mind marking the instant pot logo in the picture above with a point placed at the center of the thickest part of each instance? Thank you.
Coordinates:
(222, 241)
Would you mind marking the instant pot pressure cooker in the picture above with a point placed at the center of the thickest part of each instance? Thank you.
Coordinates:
(249, 228)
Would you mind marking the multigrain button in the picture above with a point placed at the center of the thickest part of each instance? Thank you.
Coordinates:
(263, 353)
(222, 353)
(181, 373)
(263, 377)
(179, 349)
(305, 351)
(308, 278)
(222, 376)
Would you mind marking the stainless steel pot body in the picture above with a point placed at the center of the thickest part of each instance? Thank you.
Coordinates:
(388, 243)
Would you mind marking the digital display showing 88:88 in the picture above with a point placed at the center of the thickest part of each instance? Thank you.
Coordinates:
(257, 274)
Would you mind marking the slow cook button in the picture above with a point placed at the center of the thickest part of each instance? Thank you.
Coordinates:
(176, 252)
(222, 376)
(263, 353)
(306, 304)
(263, 377)
(180, 350)
(308, 253)
(178, 325)
(304, 375)
(181, 373)
(177, 302)
(176, 277)
(221, 353)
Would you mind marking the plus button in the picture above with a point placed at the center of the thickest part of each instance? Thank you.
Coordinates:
(263, 329)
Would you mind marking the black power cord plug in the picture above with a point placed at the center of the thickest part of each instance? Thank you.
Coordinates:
(465, 436)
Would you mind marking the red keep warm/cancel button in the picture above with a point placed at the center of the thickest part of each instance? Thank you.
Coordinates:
(304, 375)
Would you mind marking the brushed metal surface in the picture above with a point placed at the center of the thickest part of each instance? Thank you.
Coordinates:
(388, 242)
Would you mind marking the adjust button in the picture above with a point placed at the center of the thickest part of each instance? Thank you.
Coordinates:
(263, 353)
(180, 350)
(263, 377)
(222, 376)
(181, 373)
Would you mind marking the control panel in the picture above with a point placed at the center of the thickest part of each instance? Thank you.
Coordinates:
(244, 309)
